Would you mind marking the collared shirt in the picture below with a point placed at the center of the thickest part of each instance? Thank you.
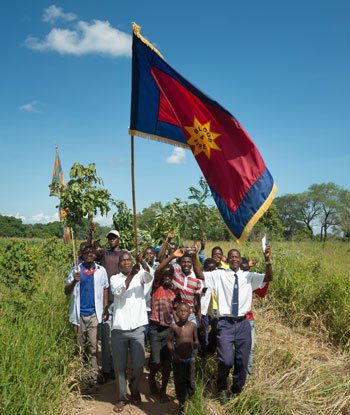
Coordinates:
(100, 284)
(188, 285)
(130, 304)
(222, 281)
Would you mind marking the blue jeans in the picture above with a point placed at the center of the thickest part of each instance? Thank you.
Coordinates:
(251, 354)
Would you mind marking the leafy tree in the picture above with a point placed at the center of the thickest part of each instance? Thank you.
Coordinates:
(296, 211)
(146, 219)
(269, 223)
(83, 195)
(123, 221)
(328, 196)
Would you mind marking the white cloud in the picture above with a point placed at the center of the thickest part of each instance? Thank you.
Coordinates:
(103, 220)
(178, 156)
(18, 216)
(38, 218)
(53, 13)
(42, 218)
(29, 107)
(83, 38)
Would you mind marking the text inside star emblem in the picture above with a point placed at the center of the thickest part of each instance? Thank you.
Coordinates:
(202, 138)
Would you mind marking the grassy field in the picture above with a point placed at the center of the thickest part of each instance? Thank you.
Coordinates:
(302, 353)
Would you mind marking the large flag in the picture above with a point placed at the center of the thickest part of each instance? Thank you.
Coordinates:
(166, 107)
(58, 178)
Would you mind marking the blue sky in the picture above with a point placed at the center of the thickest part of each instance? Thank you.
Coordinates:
(280, 67)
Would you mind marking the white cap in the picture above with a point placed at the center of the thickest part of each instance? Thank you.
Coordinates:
(113, 232)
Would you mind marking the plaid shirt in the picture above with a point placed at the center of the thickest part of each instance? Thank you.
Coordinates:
(163, 301)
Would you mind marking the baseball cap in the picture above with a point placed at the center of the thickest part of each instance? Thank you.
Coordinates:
(113, 232)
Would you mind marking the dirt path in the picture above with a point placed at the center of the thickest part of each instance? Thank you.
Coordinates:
(104, 400)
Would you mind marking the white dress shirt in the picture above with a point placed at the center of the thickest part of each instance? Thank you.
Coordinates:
(223, 280)
(129, 304)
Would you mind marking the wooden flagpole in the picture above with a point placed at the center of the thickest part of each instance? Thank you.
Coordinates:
(133, 191)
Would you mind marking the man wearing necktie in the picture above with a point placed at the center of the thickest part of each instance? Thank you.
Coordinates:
(234, 288)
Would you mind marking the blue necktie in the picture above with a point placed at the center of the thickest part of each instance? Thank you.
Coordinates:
(235, 298)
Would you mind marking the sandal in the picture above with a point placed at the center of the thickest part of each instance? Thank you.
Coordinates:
(119, 407)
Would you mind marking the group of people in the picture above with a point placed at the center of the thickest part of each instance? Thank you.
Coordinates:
(171, 300)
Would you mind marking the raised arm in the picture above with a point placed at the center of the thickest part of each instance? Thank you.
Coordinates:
(196, 267)
(91, 234)
(162, 251)
(177, 254)
(268, 263)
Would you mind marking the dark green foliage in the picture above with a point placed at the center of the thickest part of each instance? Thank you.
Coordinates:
(13, 227)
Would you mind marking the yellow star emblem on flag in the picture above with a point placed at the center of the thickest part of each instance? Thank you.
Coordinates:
(202, 138)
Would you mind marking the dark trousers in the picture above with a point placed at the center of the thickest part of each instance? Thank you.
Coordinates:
(203, 340)
(233, 348)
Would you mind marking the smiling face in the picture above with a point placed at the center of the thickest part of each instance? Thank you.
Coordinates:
(217, 255)
(186, 264)
(149, 256)
(234, 259)
(125, 263)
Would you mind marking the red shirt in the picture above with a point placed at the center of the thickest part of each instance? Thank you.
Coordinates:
(163, 301)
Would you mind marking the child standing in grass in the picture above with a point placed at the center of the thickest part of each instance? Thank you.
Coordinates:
(184, 333)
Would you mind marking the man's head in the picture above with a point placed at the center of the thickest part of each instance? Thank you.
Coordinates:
(113, 237)
(149, 255)
(125, 262)
(183, 311)
(217, 254)
(167, 275)
(245, 264)
(234, 259)
(186, 263)
(210, 264)
(88, 254)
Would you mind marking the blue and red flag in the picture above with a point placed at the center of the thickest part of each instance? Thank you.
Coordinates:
(166, 107)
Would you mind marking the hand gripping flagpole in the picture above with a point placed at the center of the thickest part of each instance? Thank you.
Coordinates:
(133, 191)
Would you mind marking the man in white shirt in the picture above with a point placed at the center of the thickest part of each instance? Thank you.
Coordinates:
(129, 319)
(234, 288)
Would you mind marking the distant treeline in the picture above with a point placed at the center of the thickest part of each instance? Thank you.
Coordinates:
(14, 228)
(322, 212)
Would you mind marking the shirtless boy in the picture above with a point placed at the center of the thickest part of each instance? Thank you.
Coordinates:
(185, 334)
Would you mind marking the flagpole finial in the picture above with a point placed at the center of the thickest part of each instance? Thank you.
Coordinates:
(136, 30)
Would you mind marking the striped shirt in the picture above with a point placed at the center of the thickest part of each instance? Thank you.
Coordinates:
(189, 286)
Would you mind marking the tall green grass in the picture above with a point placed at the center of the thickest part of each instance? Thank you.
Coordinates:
(38, 363)
(311, 283)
